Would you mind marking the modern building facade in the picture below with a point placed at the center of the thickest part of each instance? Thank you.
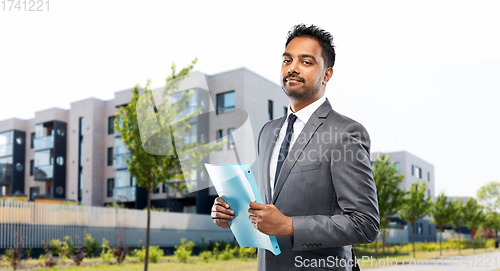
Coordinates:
(414, 169)
(75, 153)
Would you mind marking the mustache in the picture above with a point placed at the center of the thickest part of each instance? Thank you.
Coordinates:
(294, 77)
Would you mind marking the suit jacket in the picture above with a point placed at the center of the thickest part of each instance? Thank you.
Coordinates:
(326, 185)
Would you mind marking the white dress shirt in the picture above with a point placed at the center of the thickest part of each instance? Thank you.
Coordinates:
(303, 116)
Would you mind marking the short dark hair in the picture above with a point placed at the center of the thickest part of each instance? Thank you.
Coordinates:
(324, 38)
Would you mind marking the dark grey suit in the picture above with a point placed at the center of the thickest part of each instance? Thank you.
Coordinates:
(326, 185)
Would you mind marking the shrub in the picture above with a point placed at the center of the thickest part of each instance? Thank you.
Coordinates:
(121, 250)
(183, 251)
(206, 256)
(91, 245)
(55, 247)
(247, 252)
(155, 253)
(106, 252)
(79, 252)
(228, 253)
(15, 255)
(216, 251)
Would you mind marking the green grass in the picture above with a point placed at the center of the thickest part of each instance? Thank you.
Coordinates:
(166, 263)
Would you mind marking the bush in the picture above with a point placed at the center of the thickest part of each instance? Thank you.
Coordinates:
(228, 253)
(106, 253)
(91, 245)
(55, 247)
(216, 251)
(183, 251)
(155, 253)
(206, 256)
(247, 252)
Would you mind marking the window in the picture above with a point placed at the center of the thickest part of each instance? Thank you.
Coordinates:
(270, 109)
(285, 110)
(428, 193)
(416, 171)
(110, 156)
(32, 167)
(429, 229)
(219, 135)
(32, 145)
(428, 177)
(396, 164)
(111, 125)
(157, 190)
(33, 192)
(225, 102)
(420, 228)
(231, 142)
(111, 186)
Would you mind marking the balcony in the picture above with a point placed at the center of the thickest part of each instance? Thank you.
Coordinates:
(121, 161)
(5, 176)
(42, 143)
(126, 193)
(6, 149)
(43, 173)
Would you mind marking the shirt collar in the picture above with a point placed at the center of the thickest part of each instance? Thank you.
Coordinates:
(305, 113)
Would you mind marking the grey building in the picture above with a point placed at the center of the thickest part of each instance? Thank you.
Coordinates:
(414, 169)
(75, 153)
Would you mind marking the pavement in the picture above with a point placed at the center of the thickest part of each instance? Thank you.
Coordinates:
(482, 262)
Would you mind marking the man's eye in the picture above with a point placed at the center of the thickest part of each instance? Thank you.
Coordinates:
(307, 62)
(287, 61)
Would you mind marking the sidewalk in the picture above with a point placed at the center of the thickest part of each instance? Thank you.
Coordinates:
(485, 262)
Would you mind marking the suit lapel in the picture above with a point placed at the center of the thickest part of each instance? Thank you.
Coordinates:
(301, 142)
(275, 130)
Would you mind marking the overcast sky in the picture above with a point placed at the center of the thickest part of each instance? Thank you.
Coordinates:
(421, 76)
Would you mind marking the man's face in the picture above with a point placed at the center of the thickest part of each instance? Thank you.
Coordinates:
(302, 69)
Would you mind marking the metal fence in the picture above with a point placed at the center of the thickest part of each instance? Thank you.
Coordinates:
(44, 221)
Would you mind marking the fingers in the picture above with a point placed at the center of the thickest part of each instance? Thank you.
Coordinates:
(256, 205)
(221, 202)
(221, 212)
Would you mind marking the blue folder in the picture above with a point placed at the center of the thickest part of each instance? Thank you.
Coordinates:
(236, 185)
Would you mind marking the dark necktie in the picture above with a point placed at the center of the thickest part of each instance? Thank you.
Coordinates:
(284, 146)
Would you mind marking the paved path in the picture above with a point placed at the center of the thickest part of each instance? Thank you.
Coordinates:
(481, 262)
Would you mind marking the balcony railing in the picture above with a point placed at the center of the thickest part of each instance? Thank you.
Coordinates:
(126, 193)
(46, 142)
(43, 173)
(5, 176)
(6, 149)
(121, 161)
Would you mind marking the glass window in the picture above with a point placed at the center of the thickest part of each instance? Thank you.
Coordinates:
(6, 138)
(110, 156)
(43, 158)
(219, 135)
(270, 109)
(111, 186)
(19, 167)
(428, 177)
(225, 102)
(19, 140)
(231, 142)
(157, 190)
(416, 171)
(60, 131)
(122, 178)
(111, 125)
(396, 164)
(60, 160)
(33, 136)
(34, 191)
(32, 167)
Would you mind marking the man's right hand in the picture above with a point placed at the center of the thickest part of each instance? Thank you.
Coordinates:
(221, 214)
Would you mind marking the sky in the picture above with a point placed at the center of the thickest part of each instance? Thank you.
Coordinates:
(421, 76)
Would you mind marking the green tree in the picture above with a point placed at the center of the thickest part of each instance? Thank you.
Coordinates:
(474, 216)
(492, 221)
(415, 207)
(171, 123)
(441, 215)
(389, 195)
(489, 196)
(457, 217)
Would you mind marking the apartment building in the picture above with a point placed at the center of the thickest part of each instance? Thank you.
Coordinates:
(414, 169)
(75, 154)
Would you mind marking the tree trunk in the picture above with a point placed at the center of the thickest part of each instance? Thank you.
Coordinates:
(146, 260)
(413, 238)
(440, 240)
(459, 250)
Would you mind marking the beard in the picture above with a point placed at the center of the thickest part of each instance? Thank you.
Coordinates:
(298, 92)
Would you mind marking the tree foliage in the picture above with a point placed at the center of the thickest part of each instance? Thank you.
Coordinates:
(474, 216)
(415, 207)
(389, 195)
(441, 216)
(489, 196)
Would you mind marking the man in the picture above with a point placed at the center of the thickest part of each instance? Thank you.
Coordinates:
(314, 172)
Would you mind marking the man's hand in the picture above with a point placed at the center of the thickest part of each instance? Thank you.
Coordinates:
(221, 214)
(269, 220)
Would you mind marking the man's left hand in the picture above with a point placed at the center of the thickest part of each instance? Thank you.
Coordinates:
(267, 219)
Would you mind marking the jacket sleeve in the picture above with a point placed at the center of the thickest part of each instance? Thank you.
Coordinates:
(352, 179)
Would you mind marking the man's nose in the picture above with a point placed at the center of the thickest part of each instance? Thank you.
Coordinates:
(294, 67)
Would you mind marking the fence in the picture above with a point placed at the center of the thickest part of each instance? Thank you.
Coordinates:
(44, 221)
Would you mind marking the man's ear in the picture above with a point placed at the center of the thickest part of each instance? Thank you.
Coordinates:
(328, 75)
